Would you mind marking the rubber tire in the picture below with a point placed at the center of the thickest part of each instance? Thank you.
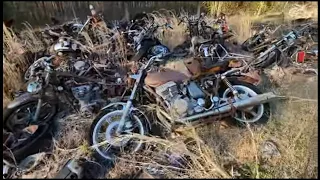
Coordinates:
(8, 111)
(36, 142)
(96, 155)
(267, 111)
(269, 60)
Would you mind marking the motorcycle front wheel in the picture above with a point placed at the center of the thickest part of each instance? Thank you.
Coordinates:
(103, 134)
(20, 116)
(259, 114)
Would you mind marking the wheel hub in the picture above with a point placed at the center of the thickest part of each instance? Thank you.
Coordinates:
(114, 138)
(245, 93)
(244, 96)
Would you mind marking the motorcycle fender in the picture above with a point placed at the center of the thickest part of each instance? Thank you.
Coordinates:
(29, 97)
(246, 78)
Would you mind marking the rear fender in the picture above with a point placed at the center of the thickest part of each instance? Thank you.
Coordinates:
(245, 77)
(29, 97)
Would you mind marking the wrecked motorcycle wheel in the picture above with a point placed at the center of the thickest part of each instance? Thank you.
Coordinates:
(39, 141)
(18, 117)
(268, 60)
(254, 115)
(102, 134)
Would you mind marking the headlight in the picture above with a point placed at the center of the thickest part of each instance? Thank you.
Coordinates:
(34, 87)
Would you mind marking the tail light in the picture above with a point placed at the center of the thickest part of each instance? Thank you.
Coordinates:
(300, 57)
(225, 28)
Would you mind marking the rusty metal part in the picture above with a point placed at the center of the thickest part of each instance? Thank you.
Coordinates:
(158, 78)
(252, 77)
(67, 74)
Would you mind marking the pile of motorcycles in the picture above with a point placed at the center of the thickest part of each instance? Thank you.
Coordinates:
(197, 81)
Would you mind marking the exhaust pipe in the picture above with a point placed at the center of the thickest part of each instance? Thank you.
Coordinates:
(253, 101)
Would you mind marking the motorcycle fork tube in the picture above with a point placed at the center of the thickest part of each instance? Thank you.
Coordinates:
(37, 113)
(229, 85)
(128, 105)
(42, 93)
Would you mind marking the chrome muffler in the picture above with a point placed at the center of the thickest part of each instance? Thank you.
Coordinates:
(252, 101)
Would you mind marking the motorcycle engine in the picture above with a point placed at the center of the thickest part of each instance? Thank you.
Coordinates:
(80, 67)
(88, 97)
(182, 101)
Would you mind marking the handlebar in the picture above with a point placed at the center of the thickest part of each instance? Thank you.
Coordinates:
(155, 58)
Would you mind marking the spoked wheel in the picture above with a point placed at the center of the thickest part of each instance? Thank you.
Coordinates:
(103, 134)
(23, 143)
(22, 116)
(257, 114)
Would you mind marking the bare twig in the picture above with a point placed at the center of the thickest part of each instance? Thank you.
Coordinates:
(256, 150)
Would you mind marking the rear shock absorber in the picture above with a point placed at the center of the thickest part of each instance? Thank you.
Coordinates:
(229, 85)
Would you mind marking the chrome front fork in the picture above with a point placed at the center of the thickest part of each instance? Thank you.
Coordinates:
(37, 113)
(128, 106)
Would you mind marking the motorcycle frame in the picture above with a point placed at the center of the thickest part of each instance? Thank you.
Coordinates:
(50, 76)
(139, 82)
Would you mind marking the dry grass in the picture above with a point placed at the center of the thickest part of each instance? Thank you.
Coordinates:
(213, 151)
(170, 37)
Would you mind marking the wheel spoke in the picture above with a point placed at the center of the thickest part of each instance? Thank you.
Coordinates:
(106, 148)
(21, 121)
(243, 115)
(251, 111)
(254, 114)
(246, 94)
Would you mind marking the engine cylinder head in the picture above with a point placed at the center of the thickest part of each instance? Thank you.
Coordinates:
(180, 106)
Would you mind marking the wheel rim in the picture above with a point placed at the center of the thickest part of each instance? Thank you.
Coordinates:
(251, 114)
(113, 144)
(23, 116)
